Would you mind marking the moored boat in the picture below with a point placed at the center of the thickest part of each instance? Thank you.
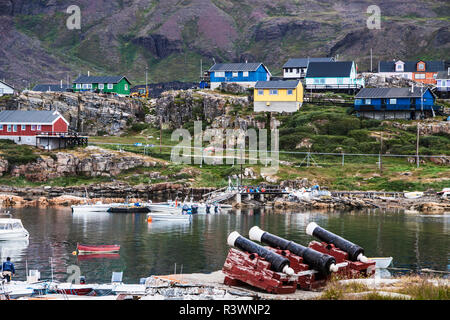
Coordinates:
(97, 248)
(11, 229)
(382, 262)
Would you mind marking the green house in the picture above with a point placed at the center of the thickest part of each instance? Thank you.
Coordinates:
(107, 84)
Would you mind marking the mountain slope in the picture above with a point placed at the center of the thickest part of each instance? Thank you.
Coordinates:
(171, 36)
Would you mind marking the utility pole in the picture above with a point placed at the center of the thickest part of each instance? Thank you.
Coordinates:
(381, 151)
(417, 146)
(160, 135)
(371, 60)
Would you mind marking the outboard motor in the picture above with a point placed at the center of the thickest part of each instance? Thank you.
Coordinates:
(194, 208)
(185, 209)
(208, 207)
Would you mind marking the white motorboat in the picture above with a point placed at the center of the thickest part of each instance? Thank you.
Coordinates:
(11, 229)
(413, 195)
(382, 262)
(97, 207)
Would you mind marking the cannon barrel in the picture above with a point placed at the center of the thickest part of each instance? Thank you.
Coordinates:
(278, 263)
(321, 262)
(354, 251)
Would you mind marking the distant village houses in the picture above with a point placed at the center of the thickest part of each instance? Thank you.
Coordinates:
(278, 96)
(420, 71)
(443, 83)
(103, 84)
(244, 74)
(337, 76)
(296, 68)
(6, 89)
(36, 128)
(395, 103)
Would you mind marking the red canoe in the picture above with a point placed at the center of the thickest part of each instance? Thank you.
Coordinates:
(97, 248)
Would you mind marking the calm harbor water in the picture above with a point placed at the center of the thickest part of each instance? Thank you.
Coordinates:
(415, 241)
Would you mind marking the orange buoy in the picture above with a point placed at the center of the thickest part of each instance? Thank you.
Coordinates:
(74, 253)
(149, 219)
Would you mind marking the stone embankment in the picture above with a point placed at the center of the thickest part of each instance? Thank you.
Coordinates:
(88, 162)
(426, 205)
(105, 192)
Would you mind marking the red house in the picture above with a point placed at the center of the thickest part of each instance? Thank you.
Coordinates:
(40, 128)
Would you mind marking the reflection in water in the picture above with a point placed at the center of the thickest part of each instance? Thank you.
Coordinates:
(200, 246)
(15, 249)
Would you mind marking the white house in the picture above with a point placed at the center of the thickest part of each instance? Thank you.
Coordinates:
(5, 88)
(296, 68)
(341, 75)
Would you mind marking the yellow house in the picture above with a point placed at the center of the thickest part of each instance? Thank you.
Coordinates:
(278, 96)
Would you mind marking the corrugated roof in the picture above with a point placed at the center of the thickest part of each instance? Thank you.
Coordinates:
(411, 66)
(252, 66)
(34, 116)
(329, 69)
(51, 87)
(303, 62)
(7, 84)
(390, 93)
(290, 84)
(100, 79)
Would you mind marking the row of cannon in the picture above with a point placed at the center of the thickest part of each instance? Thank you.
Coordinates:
(288, 262)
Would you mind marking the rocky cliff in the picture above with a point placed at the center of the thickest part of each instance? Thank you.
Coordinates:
(170, 37)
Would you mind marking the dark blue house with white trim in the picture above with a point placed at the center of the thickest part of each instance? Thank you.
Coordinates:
(395, 103)
(244, 74)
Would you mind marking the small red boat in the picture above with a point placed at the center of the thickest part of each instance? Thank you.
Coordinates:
(97, 248)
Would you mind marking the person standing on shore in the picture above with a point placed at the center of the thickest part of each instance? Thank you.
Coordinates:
(8, 269)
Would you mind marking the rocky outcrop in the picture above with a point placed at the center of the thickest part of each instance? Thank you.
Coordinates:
(86, 112)
(178, 107)
(3, 166)
(94, 162)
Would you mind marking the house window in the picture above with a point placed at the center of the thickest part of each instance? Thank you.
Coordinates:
(9, 128)
(33, 127)
(260, 92)
(290, 92)
(297, 70)
(273, 92)
(1, 127)
(110, 86)
(23, 127)
(368, 101)
(78, 86)
(126, 87)
(420, 66)
(245, 74)
(322, 81)
(420, 76)
(85, 86)
(101, 86)
(340, 81)
(39, 128)
(392, 101)
(15, 128)
(235, 74)
(316, 81)
(219, 74)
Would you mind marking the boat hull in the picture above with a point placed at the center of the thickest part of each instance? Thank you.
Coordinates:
(97, 249)
(129, 210)
(14, 235)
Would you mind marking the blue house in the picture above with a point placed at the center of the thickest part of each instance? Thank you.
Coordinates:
(244, 74)
(395, 103)
(336, 76)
